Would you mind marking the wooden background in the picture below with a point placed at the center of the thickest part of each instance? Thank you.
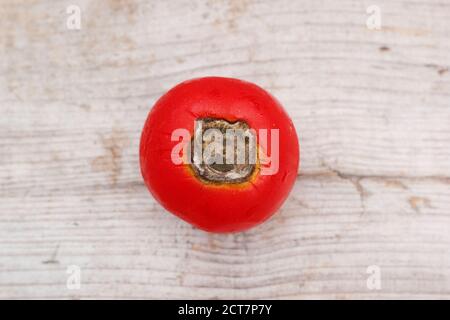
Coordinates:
(372, 110)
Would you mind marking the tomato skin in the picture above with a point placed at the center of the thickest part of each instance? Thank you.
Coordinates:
(210, 206)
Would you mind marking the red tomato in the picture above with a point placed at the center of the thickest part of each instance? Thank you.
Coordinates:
(212, 196)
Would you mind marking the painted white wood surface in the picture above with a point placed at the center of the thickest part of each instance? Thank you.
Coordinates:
(372, 109)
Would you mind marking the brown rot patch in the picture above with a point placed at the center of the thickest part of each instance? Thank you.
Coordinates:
(223, 151)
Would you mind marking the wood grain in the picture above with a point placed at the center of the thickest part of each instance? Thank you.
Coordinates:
(372, 110)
